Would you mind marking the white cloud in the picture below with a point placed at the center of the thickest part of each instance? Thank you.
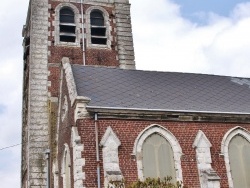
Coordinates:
(241, 11)
(169, 42)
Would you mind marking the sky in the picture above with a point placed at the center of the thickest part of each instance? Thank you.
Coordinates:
(196, 36)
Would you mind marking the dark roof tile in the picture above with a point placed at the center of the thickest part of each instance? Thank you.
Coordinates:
(117, 88)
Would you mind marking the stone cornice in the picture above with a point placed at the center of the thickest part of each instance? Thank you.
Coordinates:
(150, 114)
(80, 104)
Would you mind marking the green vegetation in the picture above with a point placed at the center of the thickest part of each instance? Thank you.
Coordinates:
(148, 183)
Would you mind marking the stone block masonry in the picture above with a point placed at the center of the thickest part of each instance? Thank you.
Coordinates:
(124, 36)
(38, 135)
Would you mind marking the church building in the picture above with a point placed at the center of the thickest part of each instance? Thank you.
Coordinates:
(90, 118)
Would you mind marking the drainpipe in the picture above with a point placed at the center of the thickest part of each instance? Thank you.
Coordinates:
(47, 154)
(97, 152)
(83, 41)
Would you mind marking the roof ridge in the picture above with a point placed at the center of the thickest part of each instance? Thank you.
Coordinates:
(156, 71)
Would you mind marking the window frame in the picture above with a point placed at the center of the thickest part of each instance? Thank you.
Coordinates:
(57, 24)
(225, 148)
(162, 160)
(106, 26)
(177, 151)
(66, 167)
(98, 27)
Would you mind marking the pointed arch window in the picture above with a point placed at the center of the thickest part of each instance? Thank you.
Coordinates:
(158, 154)
(239, 156)
(66, 164)
(67, 25)
(158, 158)
(235, 147)
(98, 27)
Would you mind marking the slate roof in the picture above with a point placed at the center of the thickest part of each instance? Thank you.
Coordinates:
(165, 91)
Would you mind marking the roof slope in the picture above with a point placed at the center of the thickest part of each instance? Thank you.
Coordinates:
(166, 91)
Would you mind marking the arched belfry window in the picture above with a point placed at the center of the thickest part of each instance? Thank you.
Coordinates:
(158, 159)
(67, 25)
(239, 156)
(98, 28)
(235, 147)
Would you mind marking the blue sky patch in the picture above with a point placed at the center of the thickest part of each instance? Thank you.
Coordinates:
(2, 109)
(5, 157)
(196, 10)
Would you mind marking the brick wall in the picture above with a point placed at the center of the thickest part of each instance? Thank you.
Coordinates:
(127, 131)
(64, 132)
(94, 56)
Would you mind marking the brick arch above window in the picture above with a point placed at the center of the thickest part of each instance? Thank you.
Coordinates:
(74, 26)
(104, 38)
(236, 131)
(177, 151)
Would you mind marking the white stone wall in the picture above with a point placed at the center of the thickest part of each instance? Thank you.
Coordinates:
(208, 177)
(38, 135)
(65, 108)
(78, 161)
(110, 143)
(69, 79)
(124, 35)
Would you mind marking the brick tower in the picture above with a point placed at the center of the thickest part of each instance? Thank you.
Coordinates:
(88, 32)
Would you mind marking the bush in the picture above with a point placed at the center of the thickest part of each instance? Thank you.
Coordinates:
(148, 183)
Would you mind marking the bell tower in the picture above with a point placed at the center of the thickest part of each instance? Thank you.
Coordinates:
(88, 32)
(104, 25)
